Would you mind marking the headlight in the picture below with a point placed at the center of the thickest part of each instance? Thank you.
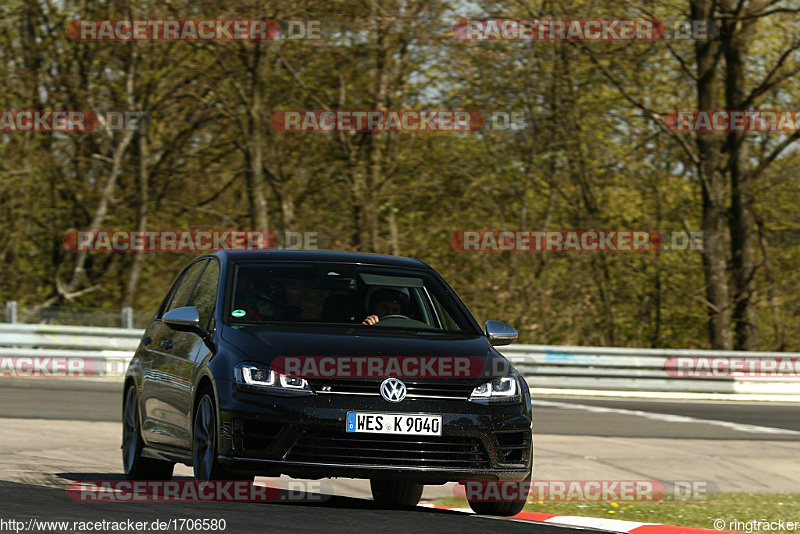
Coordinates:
(498, 390)
(249, 376)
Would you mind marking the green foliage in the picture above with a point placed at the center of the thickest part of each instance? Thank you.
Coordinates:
(592, 160)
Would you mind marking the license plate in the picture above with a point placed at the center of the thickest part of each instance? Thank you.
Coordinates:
(392, 423)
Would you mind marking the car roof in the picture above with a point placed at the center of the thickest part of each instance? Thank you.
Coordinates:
(333, 256)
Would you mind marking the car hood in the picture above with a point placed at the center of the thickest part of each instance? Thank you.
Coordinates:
(264, 344)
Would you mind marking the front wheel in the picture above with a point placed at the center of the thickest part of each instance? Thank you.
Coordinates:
(396, 493)
(136, 466)
(205, 460)
(503, 508)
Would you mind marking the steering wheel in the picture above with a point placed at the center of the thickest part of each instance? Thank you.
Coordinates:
(395, 316)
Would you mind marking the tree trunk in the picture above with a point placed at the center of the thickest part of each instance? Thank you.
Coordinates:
(256, 182)
(742, 224)
(128, 299)
(394, 232)
(288, 209)
(713, 189)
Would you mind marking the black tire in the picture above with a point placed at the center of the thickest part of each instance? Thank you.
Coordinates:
(135, 465)
(504, 508)
(501, 508)
(205, 444)
(396, 493)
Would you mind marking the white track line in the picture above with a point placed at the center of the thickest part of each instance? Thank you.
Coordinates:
(667, 418)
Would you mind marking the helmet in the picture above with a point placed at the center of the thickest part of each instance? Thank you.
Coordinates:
(271, 291)
(398, 295)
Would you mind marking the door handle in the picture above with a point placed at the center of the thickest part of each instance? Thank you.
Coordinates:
(167, 344)
(146, 340)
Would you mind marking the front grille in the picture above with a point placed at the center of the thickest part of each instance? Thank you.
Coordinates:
(400, 451)
(513, 445)
(418, 390)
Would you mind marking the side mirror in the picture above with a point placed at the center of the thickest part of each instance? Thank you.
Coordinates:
(185, 319)
(500, 333)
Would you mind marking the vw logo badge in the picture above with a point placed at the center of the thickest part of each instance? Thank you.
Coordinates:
(393, 390)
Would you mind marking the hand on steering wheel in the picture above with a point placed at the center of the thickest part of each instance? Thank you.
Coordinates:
(373, 319)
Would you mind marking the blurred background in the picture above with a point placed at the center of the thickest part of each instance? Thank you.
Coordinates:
(597, 157)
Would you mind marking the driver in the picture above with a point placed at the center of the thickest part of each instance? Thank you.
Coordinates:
(267, 303)
(384, 302)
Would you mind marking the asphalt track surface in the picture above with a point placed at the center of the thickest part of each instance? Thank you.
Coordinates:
(23, 502)
(36, 489)
(98, 400)
(32, 483)
(644, 418)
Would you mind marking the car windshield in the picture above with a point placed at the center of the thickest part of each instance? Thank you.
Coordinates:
(342, 294)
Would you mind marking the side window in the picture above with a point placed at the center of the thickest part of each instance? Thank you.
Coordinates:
(205, 293)
(184, 286)
(448, 323)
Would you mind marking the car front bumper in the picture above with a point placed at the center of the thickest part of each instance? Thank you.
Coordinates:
(304, 437)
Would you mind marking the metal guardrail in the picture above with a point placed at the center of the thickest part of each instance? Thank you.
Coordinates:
(548, 368)
(58, 315)
(606, 370)
(95, 351)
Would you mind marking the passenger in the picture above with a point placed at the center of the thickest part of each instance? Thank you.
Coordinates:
(267, 303)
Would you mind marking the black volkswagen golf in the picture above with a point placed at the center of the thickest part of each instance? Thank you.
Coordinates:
(320, 364)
